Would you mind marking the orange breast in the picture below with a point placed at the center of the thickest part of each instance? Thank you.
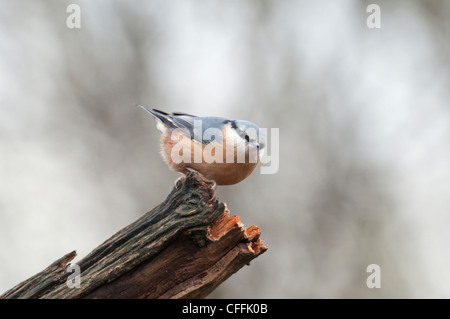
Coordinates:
(181, 153)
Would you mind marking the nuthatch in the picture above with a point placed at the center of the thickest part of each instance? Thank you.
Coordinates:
(223, 150)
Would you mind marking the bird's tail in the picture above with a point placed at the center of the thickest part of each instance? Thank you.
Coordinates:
(159, 115)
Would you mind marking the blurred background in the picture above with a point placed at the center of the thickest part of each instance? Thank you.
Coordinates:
(363, 116)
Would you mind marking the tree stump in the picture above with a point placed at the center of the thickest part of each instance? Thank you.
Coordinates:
(183, 248)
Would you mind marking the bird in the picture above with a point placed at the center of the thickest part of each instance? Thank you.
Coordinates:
(225, 151)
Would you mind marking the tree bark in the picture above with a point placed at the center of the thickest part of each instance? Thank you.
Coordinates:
(183, 248)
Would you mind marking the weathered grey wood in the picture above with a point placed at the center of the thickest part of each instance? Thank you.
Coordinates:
(41, 282)
(184, 247)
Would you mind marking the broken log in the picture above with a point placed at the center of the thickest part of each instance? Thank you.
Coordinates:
(183, 248)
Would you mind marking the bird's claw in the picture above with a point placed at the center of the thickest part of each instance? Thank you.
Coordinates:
(213, 182)
(180, 180)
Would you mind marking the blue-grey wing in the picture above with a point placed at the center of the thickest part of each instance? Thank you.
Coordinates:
(201, 129)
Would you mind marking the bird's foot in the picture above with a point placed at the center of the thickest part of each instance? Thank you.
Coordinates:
(213, 182)
(180, 180)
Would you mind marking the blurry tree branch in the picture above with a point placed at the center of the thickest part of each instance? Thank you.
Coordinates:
(183, 248)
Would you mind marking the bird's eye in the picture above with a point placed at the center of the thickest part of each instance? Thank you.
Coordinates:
(247, 138)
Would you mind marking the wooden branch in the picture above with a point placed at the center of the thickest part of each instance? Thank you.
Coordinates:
(183, 248)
